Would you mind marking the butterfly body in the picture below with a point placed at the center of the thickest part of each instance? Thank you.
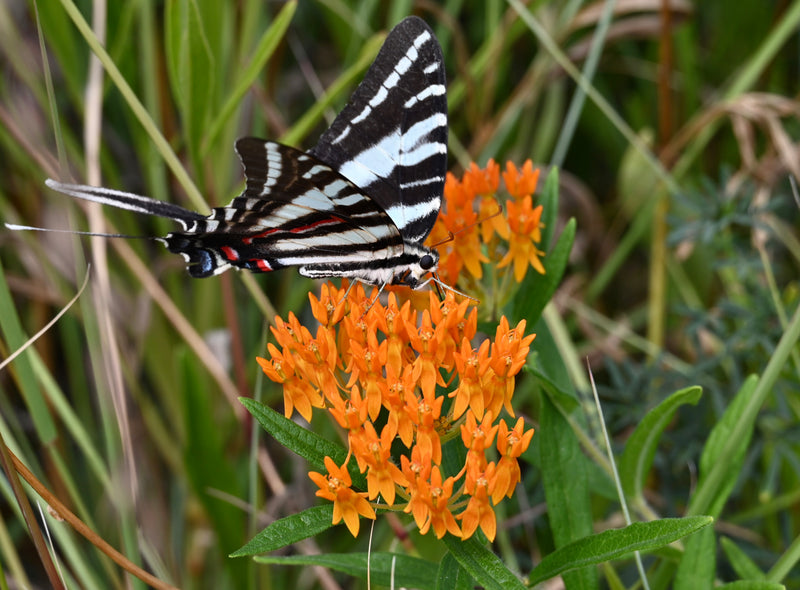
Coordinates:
(358, 205)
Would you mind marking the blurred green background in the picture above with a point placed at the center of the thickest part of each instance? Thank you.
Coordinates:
(676, 168)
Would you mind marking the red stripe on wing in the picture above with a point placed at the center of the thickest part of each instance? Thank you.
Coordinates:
(310, 226)
(263, 234)
(229, 253)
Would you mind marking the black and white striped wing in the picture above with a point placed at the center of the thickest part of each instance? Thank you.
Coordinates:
(359, 205)
(391, 137)
(295, 211)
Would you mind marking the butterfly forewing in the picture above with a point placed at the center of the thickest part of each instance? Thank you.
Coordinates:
(391, 137)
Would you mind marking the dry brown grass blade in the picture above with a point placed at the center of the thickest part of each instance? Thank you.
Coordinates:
(589, 16)
(748, 113)
(81, 528)
(9, 461)
(633, 19)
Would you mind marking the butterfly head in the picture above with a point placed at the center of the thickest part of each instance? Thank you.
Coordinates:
(422, 261)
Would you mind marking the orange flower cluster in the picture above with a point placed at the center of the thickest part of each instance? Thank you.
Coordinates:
(371, 364)
(476, 225)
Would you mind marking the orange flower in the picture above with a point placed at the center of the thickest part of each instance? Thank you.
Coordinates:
(439, 515)
(350, 413)
(478, 437)
(472, 366)
(417, 470)
(520, 183)
(330, 307)
(426, 341)
(374, 456)
(297, 392)
(509, 354)
(321, 360)
(490, 211)
(397, 395)
(366, 366)
(347, 504)
(425, 417)
(389, 365)
(472, 215)
(393, 322)
(478, 511)
(461, 221)
(458, 325)
(525, 223)
(290, 334)
(510, 445)
(483, 183)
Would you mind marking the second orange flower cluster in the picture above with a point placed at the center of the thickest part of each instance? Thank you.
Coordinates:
(387, 374)
(516, 233)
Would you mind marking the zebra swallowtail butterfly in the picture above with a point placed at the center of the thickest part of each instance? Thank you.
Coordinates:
(359, 204)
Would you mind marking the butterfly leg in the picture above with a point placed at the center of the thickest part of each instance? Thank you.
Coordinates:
(375, 299)
(353, 282)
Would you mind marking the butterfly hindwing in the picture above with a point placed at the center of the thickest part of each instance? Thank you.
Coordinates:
(294, 211)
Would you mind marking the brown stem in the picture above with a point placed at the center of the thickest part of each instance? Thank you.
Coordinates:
(84, 530)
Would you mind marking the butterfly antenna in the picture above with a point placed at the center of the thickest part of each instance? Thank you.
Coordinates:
(440, 283)
(451, 236)
(16, 227)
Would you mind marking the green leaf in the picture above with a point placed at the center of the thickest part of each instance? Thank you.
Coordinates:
(452, 576)
(615, 544)
(724, 452)
(289, 530)
(565, 486)
(309, 445)
(536, 290)
(385, 569)
(744, 567)
(640, 449)
(549, 202)
(698, 563)
(484, 566)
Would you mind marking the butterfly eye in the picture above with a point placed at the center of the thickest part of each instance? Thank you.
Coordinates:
(426, 262)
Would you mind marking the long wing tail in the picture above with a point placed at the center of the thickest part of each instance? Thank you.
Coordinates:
(128, 201)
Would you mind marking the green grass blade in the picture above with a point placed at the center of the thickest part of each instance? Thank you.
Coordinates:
(264, 50)
(15, 338)
(136, 106)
